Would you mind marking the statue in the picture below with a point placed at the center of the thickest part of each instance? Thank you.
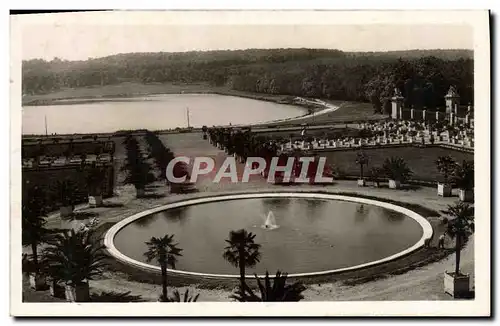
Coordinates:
(397, 92)
(452, 91)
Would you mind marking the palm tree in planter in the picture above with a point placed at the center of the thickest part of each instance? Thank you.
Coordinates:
(242, 252)
(445, 165)
(275, 291)
(34, 211)
(376, 173)
(95, 176)
(361, 160)
(68, 196)
(459, 227)
(463, 177)
(165, 252)
(397, 171)
(75, 258)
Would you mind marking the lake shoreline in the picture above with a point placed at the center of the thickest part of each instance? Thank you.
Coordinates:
(127, 96)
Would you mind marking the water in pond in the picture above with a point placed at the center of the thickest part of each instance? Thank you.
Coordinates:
(153, 112)
(312, 235)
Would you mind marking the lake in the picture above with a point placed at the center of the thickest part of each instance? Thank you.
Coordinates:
(153, 112)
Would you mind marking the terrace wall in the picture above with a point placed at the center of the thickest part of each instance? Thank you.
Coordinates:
(64, 148)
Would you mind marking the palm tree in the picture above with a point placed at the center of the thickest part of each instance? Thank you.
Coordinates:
(165, 251)
(94, 178)
(459, 227)
(278, 291)
(361, 160)
(34, 211)
(396, 170)
(375, 174)
(463, 177)
(185, 297)
(445, 165)
(68, 196)
(242, 252)
(75, 258)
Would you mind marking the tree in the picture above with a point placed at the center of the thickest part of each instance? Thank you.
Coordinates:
(396, 169)
(242, 252)
(375, 174)
(459, 227)
(95, 176)
(463, 175)
(165, 252)
(68, 192)
(75, 258)
(445, 165)
(34, 212)
(361, 160)
(138, 170)
(185, 297)
(279, 290)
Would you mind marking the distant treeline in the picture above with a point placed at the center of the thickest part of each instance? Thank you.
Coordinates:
(423, 76)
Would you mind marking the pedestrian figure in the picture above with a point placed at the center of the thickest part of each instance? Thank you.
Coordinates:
(441, 241)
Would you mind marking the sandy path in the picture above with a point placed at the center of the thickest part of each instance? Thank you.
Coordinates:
(424, 283)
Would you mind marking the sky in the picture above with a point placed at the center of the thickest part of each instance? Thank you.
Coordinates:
(76, 41)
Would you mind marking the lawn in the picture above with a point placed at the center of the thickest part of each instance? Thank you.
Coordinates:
(421, 160)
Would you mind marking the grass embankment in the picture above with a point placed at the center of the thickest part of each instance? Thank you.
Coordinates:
(421, 160)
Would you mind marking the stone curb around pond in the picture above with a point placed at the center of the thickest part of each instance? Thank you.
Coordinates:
(114, 252)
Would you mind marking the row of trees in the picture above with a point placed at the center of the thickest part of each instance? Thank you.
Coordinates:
(242, 252)
(160, 153)
(140, 172)
(396, 170)
(330, 74)
(243, 144)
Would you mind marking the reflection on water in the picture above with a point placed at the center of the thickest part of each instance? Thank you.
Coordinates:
(362, 212)
(178, 214)
(395, 217)
(275, 203)
(145, 221)
(313, 235)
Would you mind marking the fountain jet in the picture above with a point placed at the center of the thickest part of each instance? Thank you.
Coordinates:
(270, 222)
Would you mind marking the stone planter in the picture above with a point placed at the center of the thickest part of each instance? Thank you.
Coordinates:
(95, 201)
(77, 293)
(394, 184)
(56, 289)
(37, 281)
(456, 286)
(444, 189)
(466, 195)
(140, 192)
(361, 182)
(66, 211)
